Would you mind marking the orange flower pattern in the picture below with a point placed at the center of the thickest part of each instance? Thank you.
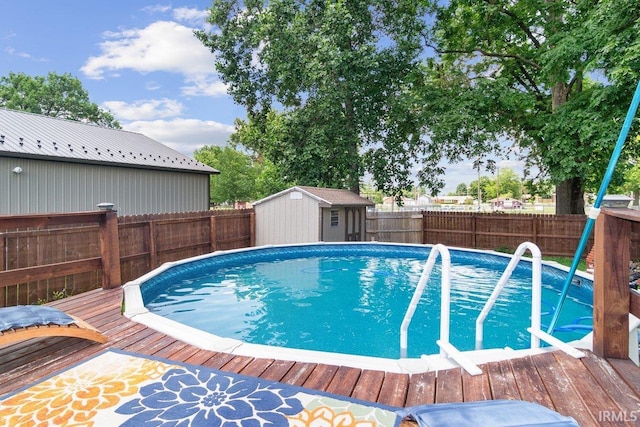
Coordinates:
(111, 387)
(74, 397)
(332, 412)
(324, 416)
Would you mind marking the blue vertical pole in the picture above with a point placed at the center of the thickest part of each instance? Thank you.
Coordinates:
(596, 206)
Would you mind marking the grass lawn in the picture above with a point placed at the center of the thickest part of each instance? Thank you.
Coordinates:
(566, 261)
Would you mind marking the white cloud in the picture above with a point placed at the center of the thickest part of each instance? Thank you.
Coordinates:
(204, 87)
(13, 52)
(195, 17)
(161, 46)
(145, 109)
(183, 135)
(156, 8)
(152, 85)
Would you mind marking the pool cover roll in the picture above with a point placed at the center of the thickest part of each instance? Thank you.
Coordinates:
(494, 413)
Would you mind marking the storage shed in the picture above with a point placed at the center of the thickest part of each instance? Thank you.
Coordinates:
(52, 165)
(310, 214)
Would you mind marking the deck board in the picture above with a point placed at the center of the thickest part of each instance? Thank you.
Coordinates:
(449, 386)
(475, 387)
(368, 386)
(529, 382)
(394, 389)
(344, 381)
(502, 381)
(562, 391)
(422, 389)
(592, 390)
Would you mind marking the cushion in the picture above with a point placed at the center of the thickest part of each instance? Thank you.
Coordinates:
(22, 316)
(494, 413)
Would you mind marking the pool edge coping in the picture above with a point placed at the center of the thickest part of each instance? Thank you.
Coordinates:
(135, 310)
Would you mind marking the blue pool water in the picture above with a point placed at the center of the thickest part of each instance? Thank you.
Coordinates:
(351, 298)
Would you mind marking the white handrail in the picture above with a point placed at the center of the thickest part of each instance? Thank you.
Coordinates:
(536, 292)
(436, 250)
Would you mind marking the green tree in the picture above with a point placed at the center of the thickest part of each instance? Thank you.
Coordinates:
(335, 71)
(242, 177)
(368, 191)
(269, 180)
(554, 77)
(508, 183)
(632, 183)
(54, 95)
(538, 187)
(236, 181)
(461, 189)
(485, 183)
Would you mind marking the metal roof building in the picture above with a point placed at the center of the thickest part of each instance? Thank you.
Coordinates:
(54, 165)
(310, 214)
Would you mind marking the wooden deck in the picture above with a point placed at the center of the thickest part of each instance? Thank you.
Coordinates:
(594, 391)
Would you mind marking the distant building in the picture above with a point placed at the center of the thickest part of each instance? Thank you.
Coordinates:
(408, 201)
(505, 204)
(52, 165)
(453, 200)
(310, 214)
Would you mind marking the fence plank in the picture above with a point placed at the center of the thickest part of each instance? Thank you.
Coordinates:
(52, 254)
(28, 274)
(554, 234)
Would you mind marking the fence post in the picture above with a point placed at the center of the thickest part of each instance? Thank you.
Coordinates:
(252, 229)
(423, 232)
(110, 250)
(611, 287)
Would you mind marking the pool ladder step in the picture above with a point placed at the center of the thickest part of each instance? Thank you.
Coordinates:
(449, 350)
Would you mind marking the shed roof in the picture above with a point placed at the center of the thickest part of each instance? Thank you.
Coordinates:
(329, 197)
(31, 135)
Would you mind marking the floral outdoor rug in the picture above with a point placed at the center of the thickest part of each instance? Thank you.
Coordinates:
(118, 388)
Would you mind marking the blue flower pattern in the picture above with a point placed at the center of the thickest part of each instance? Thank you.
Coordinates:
(199, 397)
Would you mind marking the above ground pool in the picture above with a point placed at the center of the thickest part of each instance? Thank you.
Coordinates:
(350, 298)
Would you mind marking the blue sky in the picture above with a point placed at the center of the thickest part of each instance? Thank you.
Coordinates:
(139, 60)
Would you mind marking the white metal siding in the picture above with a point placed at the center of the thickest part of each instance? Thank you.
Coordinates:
(49, 186)
(284, 220)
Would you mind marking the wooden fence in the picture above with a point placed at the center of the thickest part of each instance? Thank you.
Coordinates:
(556, 235)
(45, 257)
(398, 227)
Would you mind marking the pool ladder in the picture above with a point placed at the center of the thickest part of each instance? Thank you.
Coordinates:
(446, 348)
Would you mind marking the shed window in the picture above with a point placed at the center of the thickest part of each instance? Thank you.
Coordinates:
(334, 218)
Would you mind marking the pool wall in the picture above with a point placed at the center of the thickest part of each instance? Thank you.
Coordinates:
(136, 290)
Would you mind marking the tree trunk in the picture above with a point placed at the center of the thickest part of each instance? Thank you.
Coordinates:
(570, 197)
(569, 193)
(353, 175)
(355, 188)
